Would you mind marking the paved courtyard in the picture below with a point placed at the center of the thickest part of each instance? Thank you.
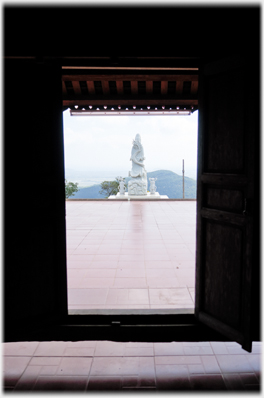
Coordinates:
(131, 254)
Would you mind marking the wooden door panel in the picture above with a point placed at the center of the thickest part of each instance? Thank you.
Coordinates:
(223, 248)
(225, 187)
(225, 142)
(224, 199)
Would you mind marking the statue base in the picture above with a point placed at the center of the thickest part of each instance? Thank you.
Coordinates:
(149, 196)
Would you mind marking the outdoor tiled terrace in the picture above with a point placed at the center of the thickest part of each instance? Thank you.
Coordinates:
(130, 254)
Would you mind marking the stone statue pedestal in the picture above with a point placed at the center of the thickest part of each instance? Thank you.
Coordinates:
(149, 196)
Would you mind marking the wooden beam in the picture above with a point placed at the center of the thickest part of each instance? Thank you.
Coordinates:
(76, 87)
(164, 87)
(179, 86)
(119, 87)
(131, 101)
(134, 87)
(131, 77)
(64, 90)
(105, 86)
(149, 87)
(194, 86)
(90, 85)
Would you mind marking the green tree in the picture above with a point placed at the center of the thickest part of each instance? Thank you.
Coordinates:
(70, 188)
(109, 188)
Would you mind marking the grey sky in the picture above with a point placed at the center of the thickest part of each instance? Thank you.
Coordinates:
(102, 144)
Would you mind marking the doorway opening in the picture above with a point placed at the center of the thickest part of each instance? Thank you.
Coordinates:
(138, 254)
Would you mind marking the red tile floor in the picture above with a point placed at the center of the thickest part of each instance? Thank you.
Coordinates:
(130, 254)
(108, 366)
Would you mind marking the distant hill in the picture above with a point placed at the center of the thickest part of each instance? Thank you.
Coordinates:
(168, 183)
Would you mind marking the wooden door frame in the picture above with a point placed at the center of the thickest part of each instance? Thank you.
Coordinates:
(181, 326)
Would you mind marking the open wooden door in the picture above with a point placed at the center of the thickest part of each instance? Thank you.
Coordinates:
(35, 283)
(227, 143)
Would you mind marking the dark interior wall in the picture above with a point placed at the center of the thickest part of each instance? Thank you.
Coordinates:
(135, 31)
(34, 204)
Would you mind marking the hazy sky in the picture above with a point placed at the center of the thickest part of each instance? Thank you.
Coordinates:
(103, 143)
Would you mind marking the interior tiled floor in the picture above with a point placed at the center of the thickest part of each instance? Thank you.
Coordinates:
(105, 365)
(130, 254)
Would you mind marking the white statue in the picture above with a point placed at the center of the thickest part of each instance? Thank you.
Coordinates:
(152, 187)
(121, 187)
(138, 185)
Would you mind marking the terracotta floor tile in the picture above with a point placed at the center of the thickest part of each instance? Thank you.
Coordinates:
(106, 257)
(219, 347)
(196, 369)
(170, 296)
(51, 348)
(234, 363)
(117, 296)
(29, 377)
(138, 351)
(131, 264)
(74, 366)
(87, 283)
(114, 234)
(192, 293)
(138, 296)
(61, 383)
(159, 272)
(236, 350)
(87, 296)
(20, 349)
(92, 242)
(13, 368)
(249, 379)
(101, 264)
(158, 264)
(115, 366)
(107, 250)
(106, 383)
(198, 350)
(45, 361)
(172, 370)
(184, 265)
(173, 383)
(48, 370)
(149, 245)
(130, 381)
(255, 362)
(162, 282)
(74, 283)
(233, 382)
(117, 242)
(168, 349)
(76, 272)
(157, 257)
(109, 349)
(130, 272)
(186, 282)
(85, 250)
(99, 272)
(132, 244)
(131, 257)
(207, 382)
(130, 283)
(178, 359)
(132, 251)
